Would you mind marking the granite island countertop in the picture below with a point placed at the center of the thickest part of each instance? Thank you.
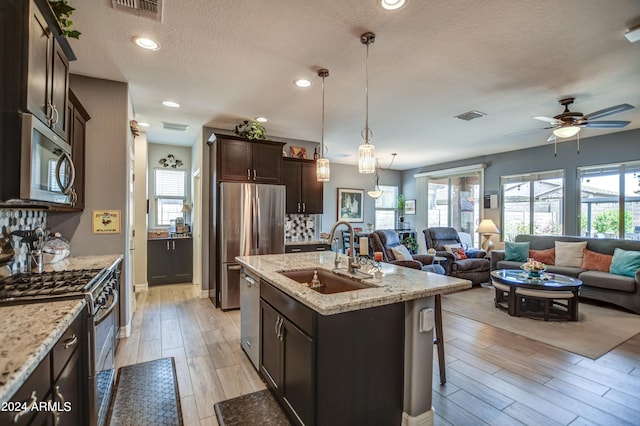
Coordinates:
(27, 335)
(399, 284)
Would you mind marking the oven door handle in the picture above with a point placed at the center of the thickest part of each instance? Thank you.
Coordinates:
(101, 318)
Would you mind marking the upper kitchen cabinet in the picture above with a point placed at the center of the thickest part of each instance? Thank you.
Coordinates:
(32, 43)
(304, 192)
(77, 127)
(243, 160)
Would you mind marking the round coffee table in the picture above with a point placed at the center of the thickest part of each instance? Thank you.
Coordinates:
(552, 296)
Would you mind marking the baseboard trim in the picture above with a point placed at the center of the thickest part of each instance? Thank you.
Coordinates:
(141, 287)
(124, 331)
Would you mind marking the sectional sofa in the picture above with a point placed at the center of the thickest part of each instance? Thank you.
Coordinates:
(617, 289)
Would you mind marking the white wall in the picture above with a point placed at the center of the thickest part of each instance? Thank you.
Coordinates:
(197, 187)
(140, 240)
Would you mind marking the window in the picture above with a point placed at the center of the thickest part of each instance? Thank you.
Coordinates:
(610, 201)
(451, 198)
(386, 208)
(170, 191)
(532, 204)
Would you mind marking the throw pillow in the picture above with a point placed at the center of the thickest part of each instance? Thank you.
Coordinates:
(570, 254)
(450, 247)
(518, 252)
(596, 261)
(625, 262)
(401, 253)
(459, 254)
(547, 256)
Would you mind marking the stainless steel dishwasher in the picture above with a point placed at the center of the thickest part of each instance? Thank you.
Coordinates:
(250, 316)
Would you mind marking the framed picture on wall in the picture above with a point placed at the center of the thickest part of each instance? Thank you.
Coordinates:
(350, 204)
(410, 207)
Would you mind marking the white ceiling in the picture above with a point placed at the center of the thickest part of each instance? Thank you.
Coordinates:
(229, 60)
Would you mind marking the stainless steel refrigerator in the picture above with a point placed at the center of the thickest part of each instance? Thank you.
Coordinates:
(250, 222)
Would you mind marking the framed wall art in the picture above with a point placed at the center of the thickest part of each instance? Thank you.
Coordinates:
(410, 207)
(350, 204)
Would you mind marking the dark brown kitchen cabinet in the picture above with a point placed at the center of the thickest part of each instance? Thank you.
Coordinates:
(48, 74)
(315, 363)
(77, 117)
(60, 381)
(170, 261)
(304, 192)
(242, 160)
(305, 248)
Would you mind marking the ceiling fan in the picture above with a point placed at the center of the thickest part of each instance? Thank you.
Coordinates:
(569, 123)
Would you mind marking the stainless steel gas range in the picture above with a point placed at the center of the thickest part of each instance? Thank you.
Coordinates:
(99, 287)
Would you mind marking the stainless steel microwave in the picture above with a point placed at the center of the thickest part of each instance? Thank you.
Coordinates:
(47, 172)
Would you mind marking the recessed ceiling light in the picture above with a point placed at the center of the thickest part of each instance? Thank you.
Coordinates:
(262, 119)
(146, 43)
(303, 83)
(171, 104)
(392, 4)
(143, 124)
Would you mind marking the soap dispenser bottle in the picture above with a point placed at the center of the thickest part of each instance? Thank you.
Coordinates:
(315, 282)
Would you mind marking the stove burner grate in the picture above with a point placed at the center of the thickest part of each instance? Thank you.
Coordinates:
(46, 283)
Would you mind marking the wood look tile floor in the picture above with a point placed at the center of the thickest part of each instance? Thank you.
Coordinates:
(494, 377)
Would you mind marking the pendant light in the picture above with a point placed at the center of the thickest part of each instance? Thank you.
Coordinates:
(367, 152)
(323, 170)
(376, 192)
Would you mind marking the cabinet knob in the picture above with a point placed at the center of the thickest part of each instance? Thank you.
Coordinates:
(248, 174)
(254, 174)
(298, 207)
(304, 207)
(27, 407)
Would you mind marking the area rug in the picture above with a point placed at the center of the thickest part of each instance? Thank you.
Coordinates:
(598, 330)
(146, 394)
(254, 409)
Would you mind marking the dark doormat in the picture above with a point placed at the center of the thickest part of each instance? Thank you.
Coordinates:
(254, 409)
(146, 394)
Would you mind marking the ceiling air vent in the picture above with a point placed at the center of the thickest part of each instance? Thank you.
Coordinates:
(175, 126)
(145, 8)
(471, 115)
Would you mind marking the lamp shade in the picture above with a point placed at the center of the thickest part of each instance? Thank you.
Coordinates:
(487, 227)
(323, 170)
(375, 193)
(367, 158)
(566, 131)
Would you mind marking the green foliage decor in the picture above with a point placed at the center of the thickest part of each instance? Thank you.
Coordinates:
(608, 221)
(250, 129)
(411, 243)
(63, 12)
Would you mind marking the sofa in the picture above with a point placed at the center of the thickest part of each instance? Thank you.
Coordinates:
(620, 290)
(387, 239)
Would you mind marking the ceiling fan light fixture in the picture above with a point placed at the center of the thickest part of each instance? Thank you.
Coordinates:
(375, 193)
(367, 152)
(566, 131)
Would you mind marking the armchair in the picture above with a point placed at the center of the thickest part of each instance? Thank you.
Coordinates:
(385, 240)
(475, 268)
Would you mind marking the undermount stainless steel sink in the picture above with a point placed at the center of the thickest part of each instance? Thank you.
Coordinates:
(330, 282)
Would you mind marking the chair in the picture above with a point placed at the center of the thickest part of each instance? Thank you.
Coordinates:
(386, 239)
(475, 268)
(383, 241)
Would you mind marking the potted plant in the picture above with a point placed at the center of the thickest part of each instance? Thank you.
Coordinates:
(401, 202)
(250, 129)
(63, 11)
(411, 243)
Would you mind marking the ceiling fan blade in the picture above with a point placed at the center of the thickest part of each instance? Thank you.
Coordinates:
(608, 111)
(553, 121)
(606, 124)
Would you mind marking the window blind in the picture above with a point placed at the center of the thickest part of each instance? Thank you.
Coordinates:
(170, 183)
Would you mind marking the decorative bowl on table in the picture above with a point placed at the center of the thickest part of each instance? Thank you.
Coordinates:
(533, 268)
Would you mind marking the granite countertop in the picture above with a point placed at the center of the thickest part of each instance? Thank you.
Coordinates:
(398, 284)
(28, 333)
(84, 262)
(305, 242)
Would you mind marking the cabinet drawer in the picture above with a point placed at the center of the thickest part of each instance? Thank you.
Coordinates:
(296, 312)
(36, 386)
(67, 345)
(300, 248)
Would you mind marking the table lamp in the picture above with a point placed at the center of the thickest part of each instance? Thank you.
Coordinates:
(486, 228)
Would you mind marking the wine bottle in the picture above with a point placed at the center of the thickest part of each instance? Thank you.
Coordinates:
(315, 153)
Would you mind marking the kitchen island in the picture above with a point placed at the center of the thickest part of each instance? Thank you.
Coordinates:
(352, 357)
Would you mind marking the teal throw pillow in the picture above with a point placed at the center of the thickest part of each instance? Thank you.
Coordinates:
(518, 252)
(625, 262)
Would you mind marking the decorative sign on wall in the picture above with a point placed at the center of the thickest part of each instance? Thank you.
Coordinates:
(106, 221)
(170, 161)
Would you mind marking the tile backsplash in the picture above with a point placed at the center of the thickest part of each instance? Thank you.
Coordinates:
(300, 227)
(18, 220)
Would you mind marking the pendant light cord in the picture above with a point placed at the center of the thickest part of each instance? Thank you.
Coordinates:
(366, 94)
(322, 140)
